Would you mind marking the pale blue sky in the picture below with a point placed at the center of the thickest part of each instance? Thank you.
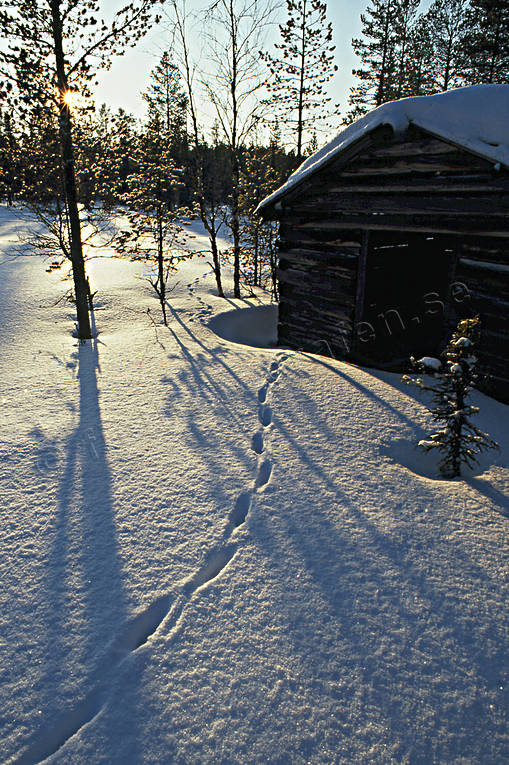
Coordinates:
(129, 75)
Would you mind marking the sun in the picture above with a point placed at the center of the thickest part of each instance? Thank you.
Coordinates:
(71, 99)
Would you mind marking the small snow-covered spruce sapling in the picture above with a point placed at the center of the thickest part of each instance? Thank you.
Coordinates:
(452, 380)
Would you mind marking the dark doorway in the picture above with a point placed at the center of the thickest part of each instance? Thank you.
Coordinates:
(408, 279)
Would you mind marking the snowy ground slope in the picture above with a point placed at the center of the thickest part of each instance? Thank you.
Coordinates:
(214, 553)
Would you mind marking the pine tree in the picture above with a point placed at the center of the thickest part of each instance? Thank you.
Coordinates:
(405, 16)
(153, 231)
(458, 439)
(53, 50)
(420, 64)
(258, 237)
(486, 41)
(301, 69)
(377, 52)
(166, 99)
(446, 24)
(387, 51)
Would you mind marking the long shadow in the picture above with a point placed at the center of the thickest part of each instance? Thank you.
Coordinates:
(86, 602)
(380, 594)
(490, 492)
(362, 559)
(207, 350)
(361, 388)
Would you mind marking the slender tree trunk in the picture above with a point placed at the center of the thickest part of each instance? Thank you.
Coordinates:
(458, 427)
(217, 263)
(301, 83)
(380, 96)
(235, 226)
(198, 164)
(496, 50)
(160, 266)
(67, 149)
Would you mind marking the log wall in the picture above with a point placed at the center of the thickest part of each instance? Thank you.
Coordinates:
(396, 186)
(317, 290)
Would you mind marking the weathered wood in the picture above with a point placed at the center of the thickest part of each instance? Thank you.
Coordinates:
(410, 148)
(452, 162)
(324, 259)
(436, 185)
(360, 292)
(413, 196)
(404, 205)
(402, 223)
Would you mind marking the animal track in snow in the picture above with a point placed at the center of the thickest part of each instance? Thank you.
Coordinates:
(239, 513)
(264, 473)
(262, 393)
(136, 634)
(168, 607)
(257, 443)
(213, 566)
(265, 415)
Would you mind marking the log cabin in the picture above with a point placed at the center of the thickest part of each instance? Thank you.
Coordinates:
(397, 229)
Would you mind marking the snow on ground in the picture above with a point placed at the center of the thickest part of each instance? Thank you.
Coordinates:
(217, 553)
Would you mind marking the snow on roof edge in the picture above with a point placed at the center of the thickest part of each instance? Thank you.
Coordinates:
(475, 117)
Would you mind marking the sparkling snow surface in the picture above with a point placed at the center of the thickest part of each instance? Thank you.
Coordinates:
(475, 117)
(212, 553)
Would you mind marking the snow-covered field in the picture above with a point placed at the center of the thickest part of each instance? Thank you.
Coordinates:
(213, 552)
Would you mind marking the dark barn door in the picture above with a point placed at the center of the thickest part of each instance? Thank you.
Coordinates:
(406, 296)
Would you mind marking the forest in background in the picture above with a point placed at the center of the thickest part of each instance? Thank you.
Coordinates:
(74, 163)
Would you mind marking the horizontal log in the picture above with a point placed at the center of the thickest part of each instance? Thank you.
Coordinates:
(317, 276)
(307, 258)
(403, 223)
(403, 204)
(447, 162)
(304, 325)
(497, 270)
(406, 185)
(398, 148)
(481, 278)
(304, 302)
(289, 237)
(303, 337)
(334, 307)
(339, 293)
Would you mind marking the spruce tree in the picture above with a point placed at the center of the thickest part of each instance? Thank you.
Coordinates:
(9, 159)
(458, 439)
(420, 64)
(301, 69)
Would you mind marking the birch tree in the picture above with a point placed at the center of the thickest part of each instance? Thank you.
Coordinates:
(236, 37)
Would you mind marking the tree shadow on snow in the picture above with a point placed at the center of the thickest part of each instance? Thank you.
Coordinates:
(388, 581)
(85, 599)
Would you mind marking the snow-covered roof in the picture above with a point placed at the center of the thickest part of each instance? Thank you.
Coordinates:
(475, 118)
